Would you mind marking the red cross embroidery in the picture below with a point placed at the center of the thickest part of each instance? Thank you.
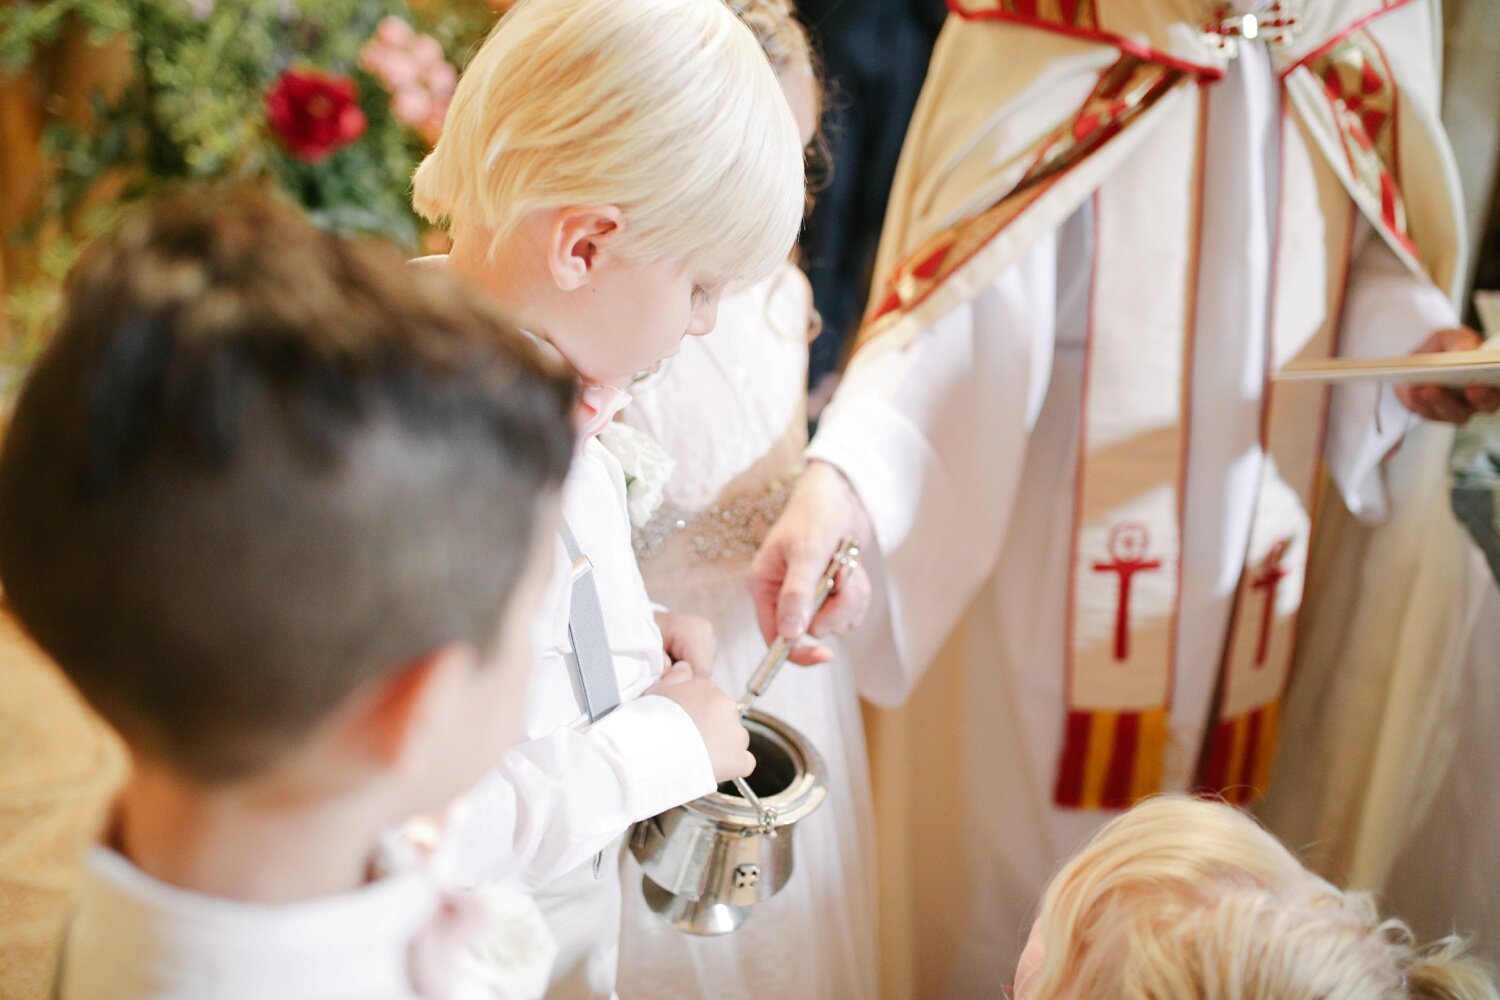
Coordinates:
(1362, 99)
(1128, 544)
(1269, 580)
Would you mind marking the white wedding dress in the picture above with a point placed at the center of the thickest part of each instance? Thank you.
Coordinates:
(730, 409)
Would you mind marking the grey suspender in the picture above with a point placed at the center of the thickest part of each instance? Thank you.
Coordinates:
(594, 664)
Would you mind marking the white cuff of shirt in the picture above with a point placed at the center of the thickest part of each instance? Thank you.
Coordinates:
(669, 762)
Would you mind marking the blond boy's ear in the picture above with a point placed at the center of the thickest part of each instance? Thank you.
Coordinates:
(578, 235)
(385, 724)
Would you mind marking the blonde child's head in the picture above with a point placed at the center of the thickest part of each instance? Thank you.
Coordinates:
(1182, 899)
(608, 167)
(665, 108)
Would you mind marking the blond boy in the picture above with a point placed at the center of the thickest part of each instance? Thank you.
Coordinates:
(606, 170)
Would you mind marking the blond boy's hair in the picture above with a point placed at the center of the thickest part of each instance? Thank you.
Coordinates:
(1182, 899)
(666, 108)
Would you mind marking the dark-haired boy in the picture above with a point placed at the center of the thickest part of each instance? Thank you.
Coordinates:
(282, 508)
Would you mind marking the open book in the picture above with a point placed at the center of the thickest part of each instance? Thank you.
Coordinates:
(1457, 368)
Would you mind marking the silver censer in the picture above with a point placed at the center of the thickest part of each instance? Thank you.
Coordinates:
(708, 861)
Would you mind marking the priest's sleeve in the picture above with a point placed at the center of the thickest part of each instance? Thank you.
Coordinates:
(1388, 310)
(933, 437)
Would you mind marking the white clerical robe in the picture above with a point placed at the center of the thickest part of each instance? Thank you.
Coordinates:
(959, 444)
(1445, 876)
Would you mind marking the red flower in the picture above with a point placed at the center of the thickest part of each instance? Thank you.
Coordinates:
(314, 114)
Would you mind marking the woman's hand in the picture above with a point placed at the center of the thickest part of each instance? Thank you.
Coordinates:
(784, 575)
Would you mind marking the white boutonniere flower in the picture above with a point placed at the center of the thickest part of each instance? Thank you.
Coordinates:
(648, 469)
(510, 957)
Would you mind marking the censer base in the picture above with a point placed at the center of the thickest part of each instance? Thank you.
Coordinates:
(691, 916)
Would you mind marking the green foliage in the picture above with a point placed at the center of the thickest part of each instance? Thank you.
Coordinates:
(30, 309)
(198, 111)
(459, 27)
(26, 25)
(195, 111)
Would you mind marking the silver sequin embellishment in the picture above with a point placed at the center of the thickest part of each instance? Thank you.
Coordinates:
(726, 530)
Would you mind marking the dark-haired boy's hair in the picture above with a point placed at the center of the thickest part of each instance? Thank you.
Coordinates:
(260, 466)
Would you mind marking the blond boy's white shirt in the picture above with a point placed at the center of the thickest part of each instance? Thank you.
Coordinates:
(401, 937)
(571, 789)
(550, 817)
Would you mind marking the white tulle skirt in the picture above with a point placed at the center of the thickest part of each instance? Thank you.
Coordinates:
(817, 937)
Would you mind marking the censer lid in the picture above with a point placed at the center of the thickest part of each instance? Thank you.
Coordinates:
(788, 778)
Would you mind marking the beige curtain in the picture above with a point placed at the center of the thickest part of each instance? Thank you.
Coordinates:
(59, 765)
(59, 768)
(917, 841)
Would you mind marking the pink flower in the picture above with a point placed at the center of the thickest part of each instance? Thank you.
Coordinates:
(411, 106)
(399, 70)
(412, 68)
(441, 79)
(426, 51)
(394, 33)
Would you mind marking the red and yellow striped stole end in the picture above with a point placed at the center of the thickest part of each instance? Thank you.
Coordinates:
(1111, 760)
(1238, 766)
